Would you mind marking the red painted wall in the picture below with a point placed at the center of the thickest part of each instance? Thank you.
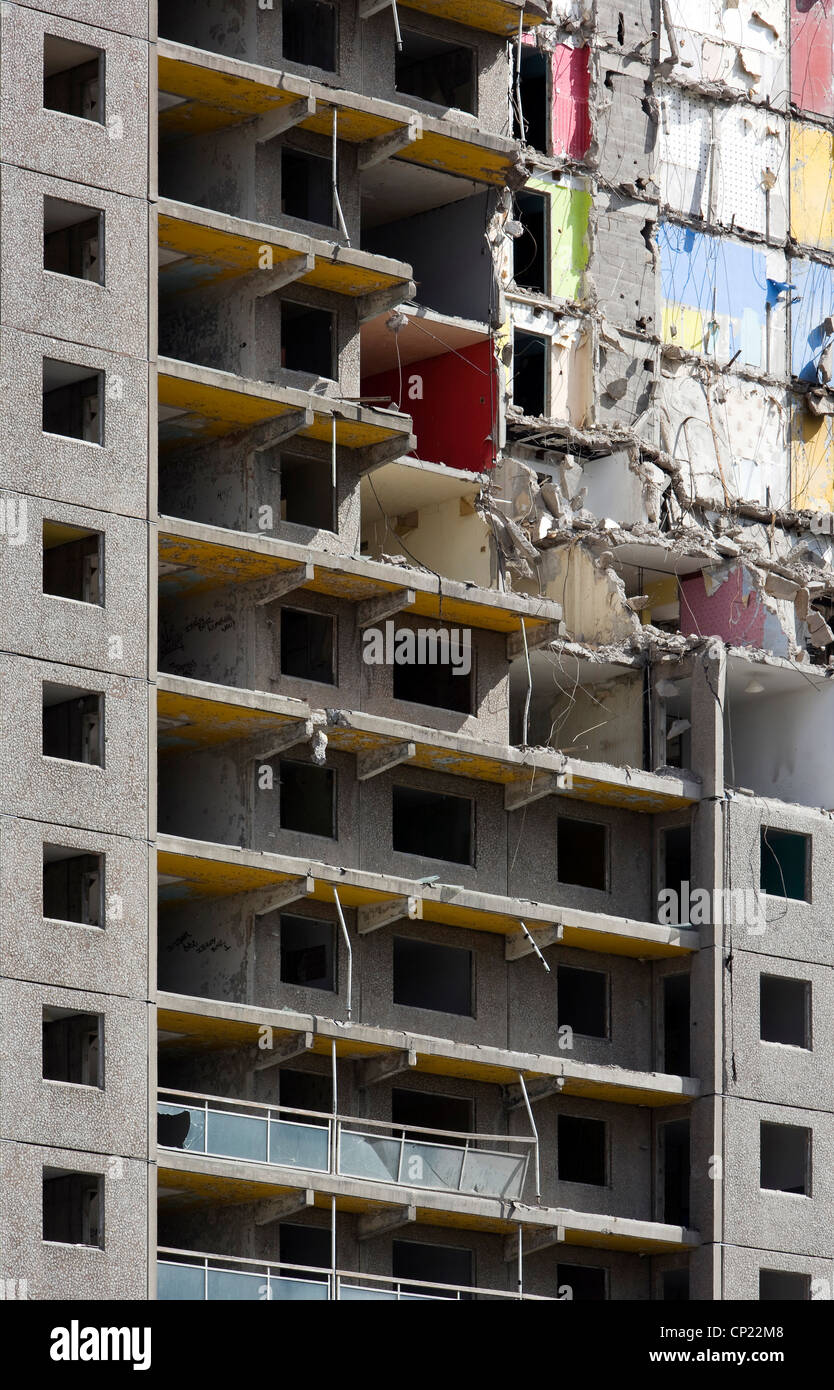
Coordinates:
(812, 55)
(725, 613)
(454, 417)
(571, 124)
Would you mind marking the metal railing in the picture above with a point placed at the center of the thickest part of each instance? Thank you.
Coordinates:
(372, 1150)
(197, 1277)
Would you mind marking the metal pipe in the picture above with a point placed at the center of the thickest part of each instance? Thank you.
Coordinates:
(520, 1261)
(333, 1275)
(529, 695)
(519, 114)
(534, 946)
(346, 936)
(535, 1134)
(333, 458)
(336, 198)
(399, 37)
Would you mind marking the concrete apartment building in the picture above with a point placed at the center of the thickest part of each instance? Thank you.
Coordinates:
(496, 334)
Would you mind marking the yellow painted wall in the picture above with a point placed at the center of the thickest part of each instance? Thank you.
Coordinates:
(812, 460)
(812, 173)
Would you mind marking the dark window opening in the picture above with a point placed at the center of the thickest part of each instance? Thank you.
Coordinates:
(432, 825)
(72, 562)
(673, 1141)
(308, 798)
(587, 1283)
(785, 1010)
(445, 1264)
(674, 1286)
(307, 339)
(305, 1245)
(581, 852)
(437, 681)
(73, 78)
(530, 373)
(784, 863)
(72, 724)
(534, 103)
(428, 976)
(72, 1047)
(73, 1207)
(582, 1000)
(676, 1049)
(306, 1090)
(307, 645)
(676, 867)
(436, 71)
(581, 1150)
(72, 401)
(73, 886)
(530, 250)
(308, 953)
(780, 1285)
(73, 240)
(309, 33)
(416, 1110)
(785, 1158)
(307, 492)
(306, 187)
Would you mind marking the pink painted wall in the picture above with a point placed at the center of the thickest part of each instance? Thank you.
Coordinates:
(812, 55)
(570, 118)
(725, 613)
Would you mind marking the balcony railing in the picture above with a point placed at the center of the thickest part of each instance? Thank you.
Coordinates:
(372, 1150)
(196, 1277)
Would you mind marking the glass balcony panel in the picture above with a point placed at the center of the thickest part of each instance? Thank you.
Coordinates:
(237, 1285)
(493, 1175)
(179, 1282)
(237, 1136)
(284, 1290)
(185, 1129)
(432, 1165)
(299, 1146)
(366, 1156)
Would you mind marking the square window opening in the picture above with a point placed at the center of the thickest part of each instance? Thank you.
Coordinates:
(305, 1245)
(73, 240)
(73, 401)
(307, 492)
(582, 1001)
(530, 354)
(785, 1158)
(309, 33)
(307, 339)
(307, 798)
(674, 1286)
(782, 1285)
(432, 825)
(430, 976)
(582, 853)
(785, 1011)
(581, 1150)
(306, 1090)
(417, 1110)
(73, 1207)
(72, 1047)
(73, 724)
(307, 645)
(73, 78)
(73, 886)
(436, 71)
(73, 562)
(785, 858)
(308, 953)
(587, 1283)
(306, 187)
(438, 677)
(412, 1259)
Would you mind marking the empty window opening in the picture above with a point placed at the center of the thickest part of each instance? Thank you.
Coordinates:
(72, 1047)
(436, 71)
(428, 976)
(530, 353)
(441, 684)
(785, 1011)
(676, 1048)
(72, 401)
(307, 339)
(73, 1207)
(305, 1090)
(73, 240)
(581, 1150)
(779, 1285)
(308, 798)
(73, 886)
(72, 562)
(307, 492)
(582, 1001)
(784, 863)
(676, 867)
(587, 1283)
(309, 33)
(73, 724)
(308, 953)
(785, 1158)
(307, 645)
(445, 1264)
(674, 1286)
(534, 103)
(305, 1245)
(432, 825)
(416, 1110)
(530, 250)
(673, 1150)
(306, 187)
(581, 852)
(73, 78)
